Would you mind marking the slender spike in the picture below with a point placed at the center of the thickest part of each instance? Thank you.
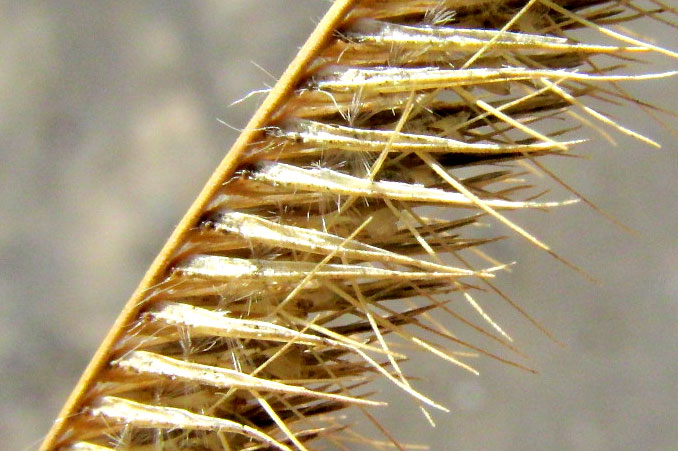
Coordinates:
(145, 362)
(366, 140)
(146, 416)
(217, 268)
(260, 230)
(393, 80)
(327, 180)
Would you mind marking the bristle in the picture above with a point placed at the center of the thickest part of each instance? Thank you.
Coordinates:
(344, 222)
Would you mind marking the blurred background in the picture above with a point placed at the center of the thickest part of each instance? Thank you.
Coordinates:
(108, 130)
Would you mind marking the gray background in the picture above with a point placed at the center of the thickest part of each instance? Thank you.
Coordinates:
(108, 130)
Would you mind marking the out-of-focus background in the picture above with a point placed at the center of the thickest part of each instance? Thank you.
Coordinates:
(108, 129)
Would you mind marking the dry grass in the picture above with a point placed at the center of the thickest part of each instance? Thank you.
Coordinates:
(339, 232)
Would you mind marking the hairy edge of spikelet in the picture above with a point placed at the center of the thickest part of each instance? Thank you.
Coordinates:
(345, 224)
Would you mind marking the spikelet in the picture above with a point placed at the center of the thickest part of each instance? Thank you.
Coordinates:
(335, 233)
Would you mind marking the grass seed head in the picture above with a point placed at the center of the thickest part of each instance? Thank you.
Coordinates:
(343, 229)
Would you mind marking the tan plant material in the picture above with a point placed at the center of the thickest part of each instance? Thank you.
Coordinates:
(335, 236)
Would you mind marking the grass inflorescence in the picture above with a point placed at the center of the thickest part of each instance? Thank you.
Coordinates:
(338, 232)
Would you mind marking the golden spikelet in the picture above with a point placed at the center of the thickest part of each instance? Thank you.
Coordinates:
(331, 239)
